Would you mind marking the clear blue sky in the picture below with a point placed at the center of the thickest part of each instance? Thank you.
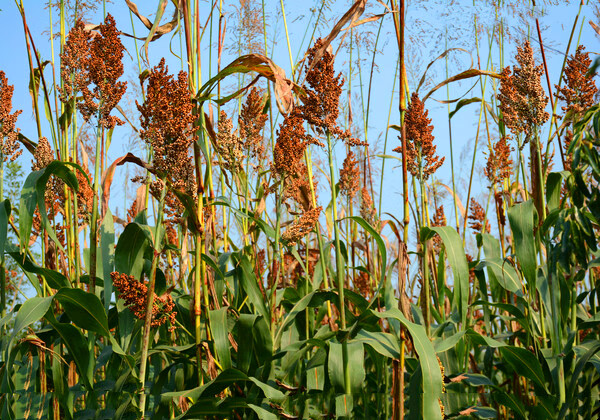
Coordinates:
(432, 26)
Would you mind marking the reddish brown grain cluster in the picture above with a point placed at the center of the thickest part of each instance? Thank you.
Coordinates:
(9, 147)
(439, 219)
(55, 198)
(292, 141)
(229, 145)
(420, 151)
(499, 163)
(251, 122)
(92, 66)
(349, 176)
(166, 120)
(367, 208)
(320, 107)
(477, 217)
(499, 200)
(288, 166)
(522, 98)
(362, 282)
(302, 226)
(134, 293)
(580, 88)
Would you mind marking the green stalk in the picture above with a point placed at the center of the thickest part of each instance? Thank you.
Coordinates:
(483, 83)
(308, 160)
(150, 300)
(385, 140)
(94, 218)
(2, 269)
(338, 261)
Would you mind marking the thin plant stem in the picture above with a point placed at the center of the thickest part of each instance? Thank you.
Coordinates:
(340, 270)
(150, 301)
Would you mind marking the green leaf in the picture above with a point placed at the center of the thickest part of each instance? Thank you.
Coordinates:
(462, 103)
(382, 254)
(59, 170)
(54, 279)
(524, 363)
(458, 261)
(344, 404)
(249, 282)
(27, 205)
(31, 311)
(432, 376)
(483, 340)
(84, 309)
(553, 187)
(106, 256)
(313, 299)
(4, 216)
(271, 393)
(218, 325)
(262, 413)
(385, 344)
(76, 343)
(485, 413)
(510, 401)
(521, 217)
(505, 274)
(129, 253)
(477, 379)
(245, 335)
(449, 342)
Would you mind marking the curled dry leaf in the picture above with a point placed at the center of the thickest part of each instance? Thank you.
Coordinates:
(467, 74)
(265, 67)
(156, 30)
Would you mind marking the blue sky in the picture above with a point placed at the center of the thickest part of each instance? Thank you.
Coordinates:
(432, 26)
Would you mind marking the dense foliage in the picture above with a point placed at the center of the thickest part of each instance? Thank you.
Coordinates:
(233, 289)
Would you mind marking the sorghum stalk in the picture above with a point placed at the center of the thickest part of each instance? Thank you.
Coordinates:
(338, 262)
(94, 218)
(150, 299)
(313, 198)
(425, 249)
(2, 268)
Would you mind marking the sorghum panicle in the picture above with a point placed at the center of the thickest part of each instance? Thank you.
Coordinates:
(349, 176)
(419, 137)
(522, 98)
(134, 293)
(301, 227)
(439, 219)
(320, 107)
(9, 147)
(499, 163)
(229, 145)
(166, 120)
(580, 87)
(251, 123)
(94, 61)
(477, 218)
(367, 208)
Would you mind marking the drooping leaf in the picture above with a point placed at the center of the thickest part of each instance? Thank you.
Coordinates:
(84, 309)
(131, 246)
(524, 363)
(432, 376)
(458, 261)
(521, 217)
(31, 311)
(54, 279)
(218, 324)
(76, 343)
(4, 217)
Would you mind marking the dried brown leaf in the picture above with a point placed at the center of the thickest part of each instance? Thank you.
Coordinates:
(467, 74)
